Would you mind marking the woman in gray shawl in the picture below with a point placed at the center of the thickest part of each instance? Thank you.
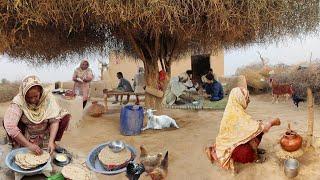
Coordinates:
(139, 83)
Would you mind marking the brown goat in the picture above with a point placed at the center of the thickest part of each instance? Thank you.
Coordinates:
(280, 89)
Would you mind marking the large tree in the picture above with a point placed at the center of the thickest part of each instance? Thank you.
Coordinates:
(151, 30)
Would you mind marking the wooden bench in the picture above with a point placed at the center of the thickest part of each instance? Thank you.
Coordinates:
(107, 93)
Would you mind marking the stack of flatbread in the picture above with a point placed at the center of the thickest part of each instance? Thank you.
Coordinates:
(111, 159)
(29, 160)
(76, 172)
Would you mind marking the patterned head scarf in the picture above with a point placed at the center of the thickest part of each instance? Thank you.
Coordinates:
(47, 107)
(236, 127)
(80, 72)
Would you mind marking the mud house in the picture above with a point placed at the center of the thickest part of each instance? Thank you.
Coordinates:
(199, 64)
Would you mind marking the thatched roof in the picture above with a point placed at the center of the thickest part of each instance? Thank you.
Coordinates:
(52, 29)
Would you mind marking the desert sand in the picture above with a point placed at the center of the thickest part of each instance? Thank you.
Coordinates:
(198, 129)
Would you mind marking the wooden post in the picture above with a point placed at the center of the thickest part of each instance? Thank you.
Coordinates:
(105, 94)
(310, 117)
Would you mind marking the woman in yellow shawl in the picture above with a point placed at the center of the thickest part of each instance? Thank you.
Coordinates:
(239, 135)
(34, 119)
(82, 77)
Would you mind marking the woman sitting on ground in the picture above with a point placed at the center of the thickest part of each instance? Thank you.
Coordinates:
(82, 77)
(239, 135)
(34, 119)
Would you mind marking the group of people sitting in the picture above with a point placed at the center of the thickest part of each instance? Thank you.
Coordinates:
(179, 88)
(176, 91)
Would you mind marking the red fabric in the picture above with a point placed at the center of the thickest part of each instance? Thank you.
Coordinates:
(244, 154)
(162, 78)
(162, 75)
(63, 125)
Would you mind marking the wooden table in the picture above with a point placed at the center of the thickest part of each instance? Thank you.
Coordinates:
(107, 93)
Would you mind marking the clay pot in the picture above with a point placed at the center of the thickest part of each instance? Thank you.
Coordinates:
(291, 140)
(96, 110)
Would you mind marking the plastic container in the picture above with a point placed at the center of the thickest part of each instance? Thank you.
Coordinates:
(131, 120)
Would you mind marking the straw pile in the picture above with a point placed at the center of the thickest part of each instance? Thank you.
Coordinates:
(301, 79)
(256, 76)
(148, 29)
(231, 82)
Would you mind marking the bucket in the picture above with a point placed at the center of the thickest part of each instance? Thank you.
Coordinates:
(131, 120)
(291, 167)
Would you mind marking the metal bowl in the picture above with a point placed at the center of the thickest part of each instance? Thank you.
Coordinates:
(291, 167)
(95, 165)
(57, 161)
(116, 146)
(10, 162)
(60, 157)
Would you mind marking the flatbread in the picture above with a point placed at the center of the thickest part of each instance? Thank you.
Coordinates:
(33, 159)
(76, 172)
(29, 160)
(20, 161)
(108, 157)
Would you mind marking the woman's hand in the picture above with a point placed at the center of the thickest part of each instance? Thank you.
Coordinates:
(267, 127)
(51, 147)
(35, 148)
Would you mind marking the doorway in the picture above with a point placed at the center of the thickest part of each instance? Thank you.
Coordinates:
(200, 65)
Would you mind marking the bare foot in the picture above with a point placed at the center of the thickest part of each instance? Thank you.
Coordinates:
(208, 153)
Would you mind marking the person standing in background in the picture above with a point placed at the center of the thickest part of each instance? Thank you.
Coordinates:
(82, 77)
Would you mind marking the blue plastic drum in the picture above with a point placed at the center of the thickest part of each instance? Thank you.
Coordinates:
(131, 120)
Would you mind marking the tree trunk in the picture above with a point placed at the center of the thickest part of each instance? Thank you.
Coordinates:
(310, 118)
(152, 76)
(167, 65)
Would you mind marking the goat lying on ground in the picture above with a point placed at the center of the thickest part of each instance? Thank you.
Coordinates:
(158, 122)
(280, 89)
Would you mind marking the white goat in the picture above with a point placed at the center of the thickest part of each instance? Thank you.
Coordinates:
(158, 122)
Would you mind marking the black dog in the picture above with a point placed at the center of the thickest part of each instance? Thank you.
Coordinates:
(297, 99)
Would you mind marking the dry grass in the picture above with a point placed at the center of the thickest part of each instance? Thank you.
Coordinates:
(301, 79)
(8, 91)
(147, 28)
(254, 74)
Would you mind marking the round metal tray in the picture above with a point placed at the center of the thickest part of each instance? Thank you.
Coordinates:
(10, 162)
(95, 165)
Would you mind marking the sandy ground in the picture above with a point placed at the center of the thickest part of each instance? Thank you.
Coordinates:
(198, 129)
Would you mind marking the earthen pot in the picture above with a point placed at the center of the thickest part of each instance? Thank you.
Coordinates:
(291, 140)
(96, 110)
